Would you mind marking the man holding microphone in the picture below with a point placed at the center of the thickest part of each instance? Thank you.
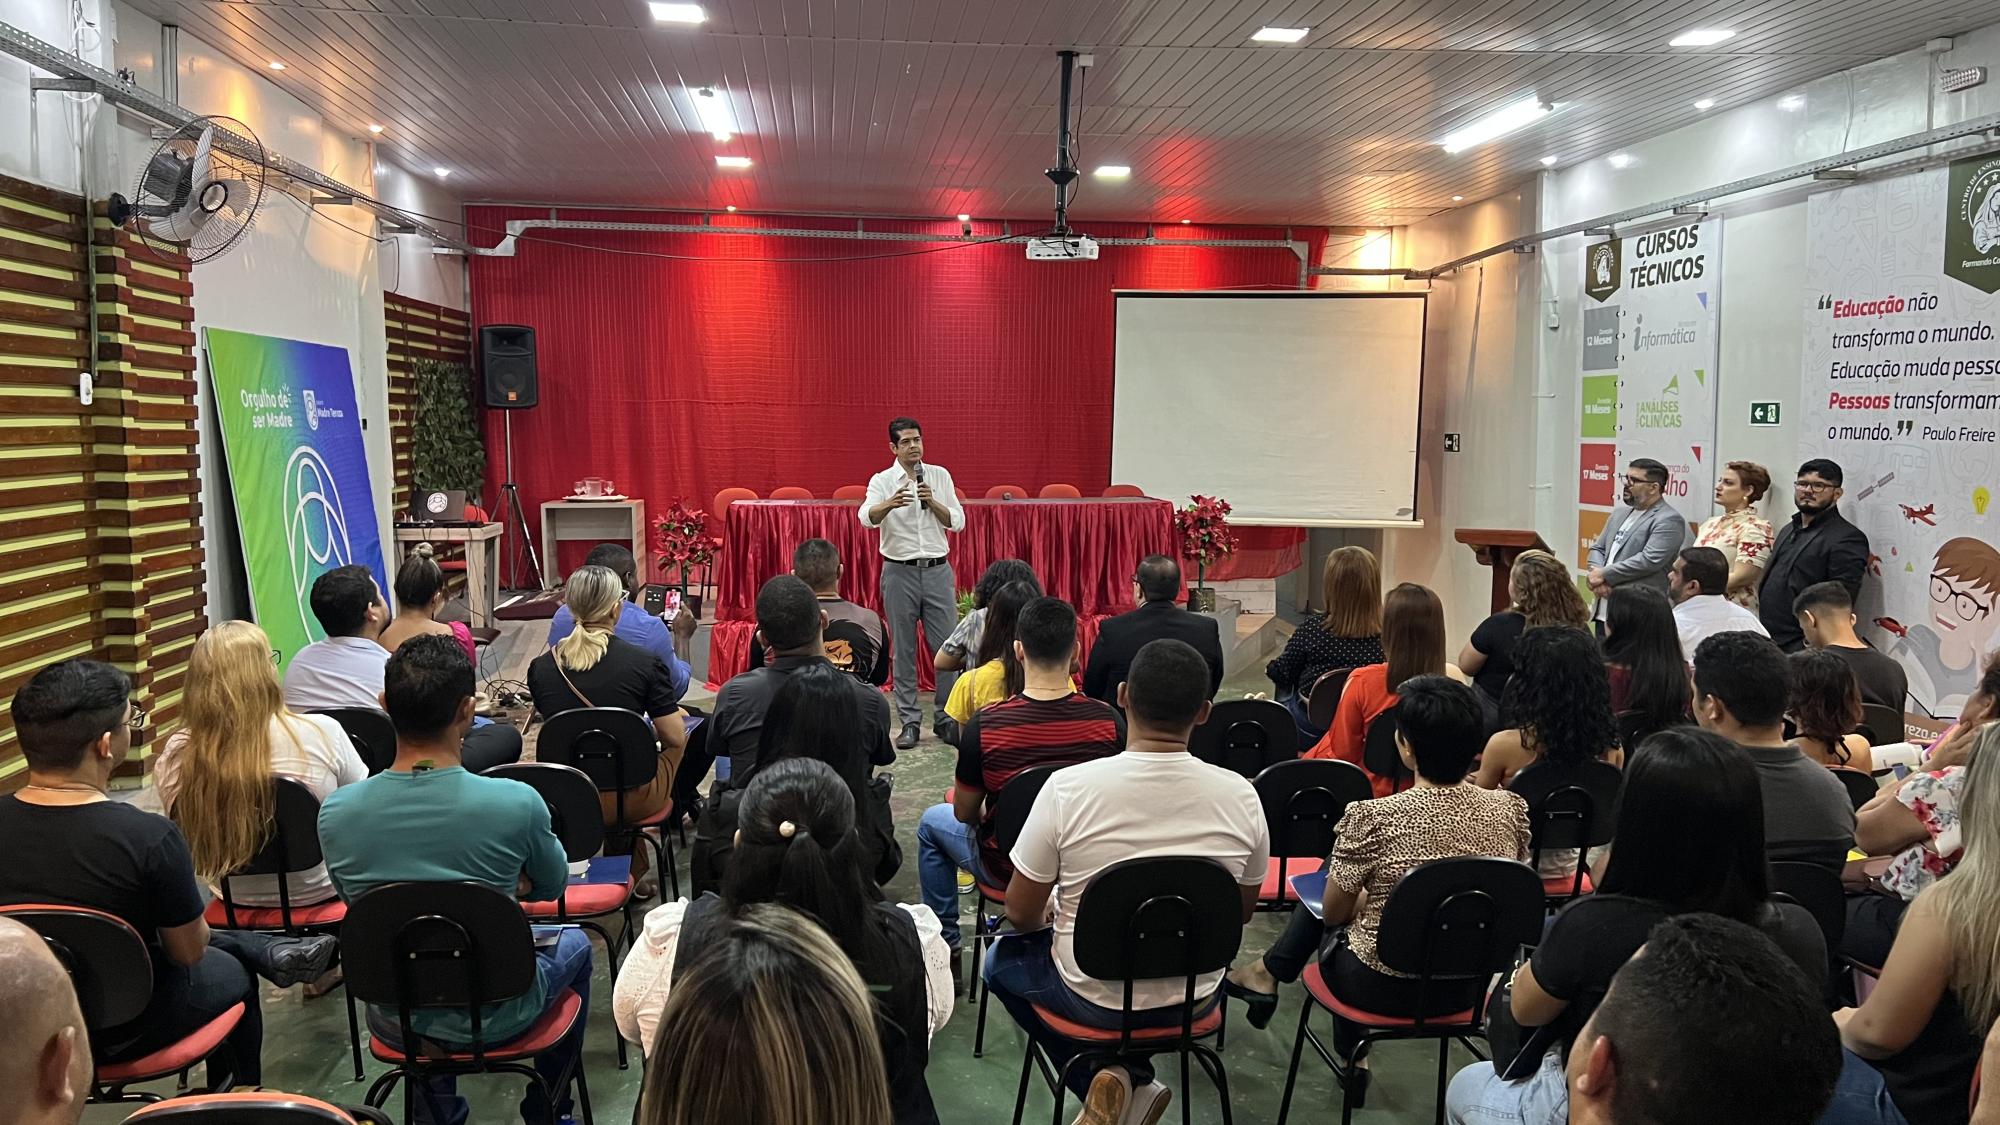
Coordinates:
(914, 505)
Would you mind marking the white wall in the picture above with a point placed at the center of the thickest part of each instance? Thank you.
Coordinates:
(408, 266)
(40, 144)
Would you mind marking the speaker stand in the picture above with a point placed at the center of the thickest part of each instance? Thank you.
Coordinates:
(517, 520)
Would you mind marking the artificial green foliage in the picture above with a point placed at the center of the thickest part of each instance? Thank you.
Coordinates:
(446, 450)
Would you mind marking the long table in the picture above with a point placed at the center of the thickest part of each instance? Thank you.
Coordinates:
(1084, 550)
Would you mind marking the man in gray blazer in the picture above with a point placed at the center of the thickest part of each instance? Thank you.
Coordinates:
(1641, 539)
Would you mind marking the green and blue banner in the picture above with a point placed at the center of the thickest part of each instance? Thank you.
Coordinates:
(291, 436)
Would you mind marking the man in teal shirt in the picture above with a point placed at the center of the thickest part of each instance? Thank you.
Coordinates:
(425, 819)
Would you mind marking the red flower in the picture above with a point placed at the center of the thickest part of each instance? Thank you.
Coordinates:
(682, 538)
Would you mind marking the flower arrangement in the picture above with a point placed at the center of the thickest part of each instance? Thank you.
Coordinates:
(1203, 527)
(681, 537)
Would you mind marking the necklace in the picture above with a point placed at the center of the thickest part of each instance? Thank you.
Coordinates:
(83, 787)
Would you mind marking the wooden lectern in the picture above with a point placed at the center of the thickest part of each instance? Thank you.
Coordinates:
(1498, 548)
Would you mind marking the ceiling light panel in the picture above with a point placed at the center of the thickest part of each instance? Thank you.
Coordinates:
(1507, 119)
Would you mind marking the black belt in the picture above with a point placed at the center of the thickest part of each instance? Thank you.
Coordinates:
(920, 564)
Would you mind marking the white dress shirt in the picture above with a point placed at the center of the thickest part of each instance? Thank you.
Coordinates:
(913, 531)
(1705, 615)
(336, 672)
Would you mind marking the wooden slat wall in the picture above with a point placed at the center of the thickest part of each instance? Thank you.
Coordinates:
(416, 330)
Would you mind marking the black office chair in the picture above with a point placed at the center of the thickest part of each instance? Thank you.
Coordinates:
(1303, 800)
(1379, 753)
(1010, 813)
(1323, 697)
(373, 735)
(457, 946)
(1245, 735)
(1860, 784)
(1883, 725)
(1570, 808)
(254, 1107)
(619, 751)
(1163, 917)
(1818, 890)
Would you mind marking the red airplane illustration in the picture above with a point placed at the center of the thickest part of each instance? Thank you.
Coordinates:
(1920, 515)
(1875, 564)
(1893, 625)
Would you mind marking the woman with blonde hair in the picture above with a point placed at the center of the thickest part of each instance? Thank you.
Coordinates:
(1543, 592)
(594, 667)
(1743, 536)
(768, 1024)
(1347, 635)
(420, 594)
(214, 776)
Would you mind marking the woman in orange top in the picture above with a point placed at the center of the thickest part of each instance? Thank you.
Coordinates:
(1412, 645)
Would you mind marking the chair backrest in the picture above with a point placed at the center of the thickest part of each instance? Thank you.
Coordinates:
(1246, 735)
(1323, 696)
(243, 1107)
(1860, 784)
(1883, 725)
(794, 492)
(851, 492)
(476, 514)
(727, 497)
(617, 749)
(436, 945)
(1817, 888)
(1060, 492)
(1017, 799)
(1007, 492)
(1570, 806)
(371, 732)
(1379, 753)
(107, 961)
(1158, 917)
(1304, 798)
(1120, 490)
(1460, 917)
(293, 844)
(574, 813)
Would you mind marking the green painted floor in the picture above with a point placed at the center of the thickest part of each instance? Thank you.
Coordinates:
(305, 1046)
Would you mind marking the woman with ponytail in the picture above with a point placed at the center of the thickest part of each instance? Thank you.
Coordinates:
(419, 598)
(594, 667)
(796, 847)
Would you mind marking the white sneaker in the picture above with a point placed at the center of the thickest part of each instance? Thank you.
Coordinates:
(1104, 1104)
(1147, 1104)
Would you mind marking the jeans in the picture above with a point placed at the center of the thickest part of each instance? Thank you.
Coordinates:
(1296, 704)
(567, 966)
(945, 846)
(1860, 1098)
(186, 999)
(1021, 972)
(1478, 1096)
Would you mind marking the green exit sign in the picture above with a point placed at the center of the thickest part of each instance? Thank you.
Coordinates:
(1763, 413)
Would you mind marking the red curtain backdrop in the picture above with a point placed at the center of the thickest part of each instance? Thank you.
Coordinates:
(716, 367)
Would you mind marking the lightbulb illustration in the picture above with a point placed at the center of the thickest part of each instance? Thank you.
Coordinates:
(1981, 498)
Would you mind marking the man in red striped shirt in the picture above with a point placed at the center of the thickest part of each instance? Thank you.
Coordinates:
(1049, 723)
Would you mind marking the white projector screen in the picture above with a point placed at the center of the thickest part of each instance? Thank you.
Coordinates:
(1298, 408)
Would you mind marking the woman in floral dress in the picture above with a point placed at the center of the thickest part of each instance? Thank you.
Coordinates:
(1743, 536)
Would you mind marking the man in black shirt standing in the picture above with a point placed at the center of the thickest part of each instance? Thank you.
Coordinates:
(1818, 545)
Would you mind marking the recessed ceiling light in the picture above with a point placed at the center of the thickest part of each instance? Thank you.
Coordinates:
(1112, 171)
(1549, 161)
(731, 208)
(440, 172)
(1704, 103)
(274, 64)
(965, 218)
(1185, 222)
(1621, 159)
(1280, 34)
(1792, 103)
(713, 109)
(1701, 37)
(1506, 119)
(1458, 199)
(678, 13)
(732, 162)
(374, 128)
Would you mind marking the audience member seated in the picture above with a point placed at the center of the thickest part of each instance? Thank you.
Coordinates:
(1047, 724)
(1701, 609)
(1657, 868)
(1825, 612)
(1413, 645)
(1561, 705)
(420, 595)
(996, 673)
(45, 1064)
(595, 667)
(215, 774)
(68, 843)
(345, 669)
(1347, 635)
(815, 715)
(1156, 586)
(729, 1046)
(427, 819)
(1154, 799)
(1942, 977)
(854, 640)
(797, 849)
(634, 625)
(1743, 536)
(1741, 683)
(1649, 672)
(1439, 730)
(1541, 593)
(1709, 1022)
(1825, 709)
(964, 640)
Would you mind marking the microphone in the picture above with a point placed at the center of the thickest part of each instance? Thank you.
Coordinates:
(920, 478)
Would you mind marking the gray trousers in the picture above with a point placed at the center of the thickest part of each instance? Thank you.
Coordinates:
(911, 594)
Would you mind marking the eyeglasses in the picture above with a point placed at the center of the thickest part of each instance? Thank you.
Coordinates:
(136, 721)
(277, 657)
(1814, 485)
(1967, 607)
(1636, 481)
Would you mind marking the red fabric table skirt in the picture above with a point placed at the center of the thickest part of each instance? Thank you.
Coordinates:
(1261, 552)
(1084, 551)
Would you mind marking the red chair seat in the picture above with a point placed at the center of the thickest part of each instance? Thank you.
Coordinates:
(1322, 995)
(993, 894)
(540, 1036)
(1203, 1025)
(1293, 866)
(174, 1057)
(583, 901)
(1558, 886)
(655, 819)
(329, 913)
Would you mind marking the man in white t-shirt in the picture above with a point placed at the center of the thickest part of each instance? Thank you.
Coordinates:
(1696, 584)
(1154, 799)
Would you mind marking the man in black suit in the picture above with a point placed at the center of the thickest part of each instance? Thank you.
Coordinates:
(1818, 545)
(1119, 639)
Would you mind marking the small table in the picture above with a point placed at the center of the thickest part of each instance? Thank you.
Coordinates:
(597, 520)
(482, 561)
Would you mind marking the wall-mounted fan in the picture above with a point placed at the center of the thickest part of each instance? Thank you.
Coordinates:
(193, 194)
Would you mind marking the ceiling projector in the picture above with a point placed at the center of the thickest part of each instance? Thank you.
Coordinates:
(1063, 247)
